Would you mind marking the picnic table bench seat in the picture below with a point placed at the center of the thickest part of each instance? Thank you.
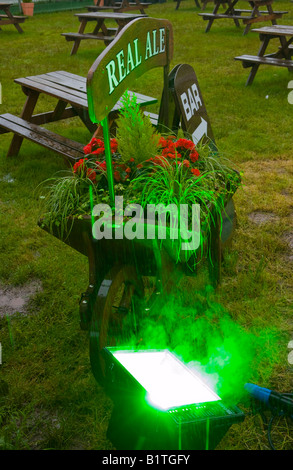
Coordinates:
(48, 139)
(249, 60)
(263, 12)
(81, 36)
(208, 16)
(19, 19)
(238, 16)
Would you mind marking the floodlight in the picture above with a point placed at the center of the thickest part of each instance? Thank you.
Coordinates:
(160, 403)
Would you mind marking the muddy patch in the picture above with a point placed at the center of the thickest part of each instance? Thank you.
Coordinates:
(288, 239)
(261, 218)
(16, 299)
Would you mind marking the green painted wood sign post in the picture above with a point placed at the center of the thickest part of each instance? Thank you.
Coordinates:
(143, 44)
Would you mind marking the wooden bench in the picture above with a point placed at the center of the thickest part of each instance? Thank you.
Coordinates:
(69, 149)
(238, 16)
(16, 19)
(255, 61)
(209, 16)
(81, 36)
(249, 60)
(262, 12)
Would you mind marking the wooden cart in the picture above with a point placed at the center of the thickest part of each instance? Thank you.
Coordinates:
(129, 278)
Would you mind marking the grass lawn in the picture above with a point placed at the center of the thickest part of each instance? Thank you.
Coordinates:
(48, 396)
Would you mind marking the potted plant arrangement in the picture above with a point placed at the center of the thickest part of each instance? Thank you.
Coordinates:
(148, 168)
(28, 7)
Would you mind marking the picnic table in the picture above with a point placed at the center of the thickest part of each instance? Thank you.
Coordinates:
(70, 92)
(101, 30)
(9, 18)
(249, 17)
(120, 7)
(282, 57)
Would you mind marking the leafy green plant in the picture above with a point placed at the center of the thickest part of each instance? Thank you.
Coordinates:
(135, 132)
(66, 197)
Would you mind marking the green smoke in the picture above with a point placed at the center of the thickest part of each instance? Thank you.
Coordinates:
(204, 335)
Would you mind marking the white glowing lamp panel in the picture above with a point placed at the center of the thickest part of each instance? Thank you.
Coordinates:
(167, 381)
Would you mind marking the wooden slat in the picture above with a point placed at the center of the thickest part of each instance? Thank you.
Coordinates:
(251, 59)
(66, 147)
(93, 16)
(74, 36)
(259, 19)
(261, 12)
(68, 92)
(103, 8)
(67, 96)
(141, 99)
(154, 118)
(22, 18)
(67, 79)
(209, 16)
(275, 30)
(45, 81)
(44, 118)
(11, 21)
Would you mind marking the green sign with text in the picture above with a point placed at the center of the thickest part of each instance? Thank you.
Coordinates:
(143, 44)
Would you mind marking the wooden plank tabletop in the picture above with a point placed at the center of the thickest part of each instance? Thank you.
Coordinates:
(109, 15)
(70, 88)
(276, 30)
(61, 85)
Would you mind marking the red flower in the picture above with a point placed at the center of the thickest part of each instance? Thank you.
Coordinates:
(113, 145)
(79, 166)
(98, 151)
(97, 147)
(91, 174)
(117, 176)
(186, 163)
(87, 149)
(195, 171)
(96, 141)
(161, 161)
(194, 156)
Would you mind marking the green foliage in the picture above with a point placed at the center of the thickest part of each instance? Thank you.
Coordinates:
(66, 197)
(135, 132)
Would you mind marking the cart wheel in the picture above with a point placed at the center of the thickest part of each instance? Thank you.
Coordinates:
(115, 316)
